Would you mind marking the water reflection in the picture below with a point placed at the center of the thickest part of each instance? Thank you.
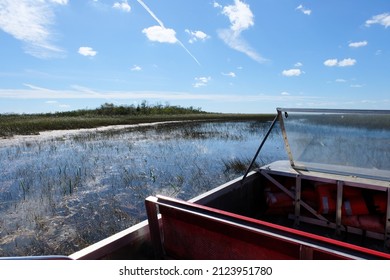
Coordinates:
(60, 194)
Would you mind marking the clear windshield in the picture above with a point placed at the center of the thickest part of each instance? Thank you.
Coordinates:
(356, 143)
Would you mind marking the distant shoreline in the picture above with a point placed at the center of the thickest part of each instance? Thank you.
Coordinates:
(28, 125)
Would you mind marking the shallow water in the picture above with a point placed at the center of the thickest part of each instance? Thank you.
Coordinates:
(62, 191)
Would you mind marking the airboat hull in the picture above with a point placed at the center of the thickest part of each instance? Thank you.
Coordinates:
(236, 221)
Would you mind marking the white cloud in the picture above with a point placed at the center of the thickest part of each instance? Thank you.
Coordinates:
(347, 62)
(292, 72)
(340, 63)
(303, 10)
(330, 62)
(216, 5)
(160, 34)
(382, 19)
(341, 80)
(123, 6)
(298, 64)
(230, 74)
(87, 51)
(285, 93)
(241, 18)
(201, 81)
(165, 34)
(196, 36)
(358, 44)
(56, 104)
(136, 68)
(30, 21)
(60, 2)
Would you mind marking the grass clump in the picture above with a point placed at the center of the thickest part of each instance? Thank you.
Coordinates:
(238, 166)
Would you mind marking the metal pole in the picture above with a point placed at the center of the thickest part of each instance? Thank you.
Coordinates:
(261, 146)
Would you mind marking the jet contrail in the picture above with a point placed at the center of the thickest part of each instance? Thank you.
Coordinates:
(181, 44)
(151, 13)
(162, 25)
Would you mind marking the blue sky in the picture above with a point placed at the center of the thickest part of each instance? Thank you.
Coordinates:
(222, 56)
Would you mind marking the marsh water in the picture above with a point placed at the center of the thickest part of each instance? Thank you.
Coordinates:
(62, 191)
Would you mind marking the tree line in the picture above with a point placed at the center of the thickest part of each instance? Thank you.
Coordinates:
(143, 109)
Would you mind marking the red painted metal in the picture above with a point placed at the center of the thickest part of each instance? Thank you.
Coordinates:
(193, 231)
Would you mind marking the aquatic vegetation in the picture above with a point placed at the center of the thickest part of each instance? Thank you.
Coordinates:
(238, 165)
(59, 194)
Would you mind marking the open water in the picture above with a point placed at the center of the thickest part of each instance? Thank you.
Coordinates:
(62, 191)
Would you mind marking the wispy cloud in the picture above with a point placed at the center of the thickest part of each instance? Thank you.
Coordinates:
(79, 92)
(241, 18)
(87, 51)
(56, 104)
(216, 5)
(382, 19)
(85, 90)
(31, 21)
(292, 72)
(61, 2)
(33, 87)
(303, 10)
(123, 6)
(201, 81)
(230, 74)
(298, 64)
(340, 63)
(358, 44)
(352, 83)
(162, 34)
(196, 36)
(136, 68)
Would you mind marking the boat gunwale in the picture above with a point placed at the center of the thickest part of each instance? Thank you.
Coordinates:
(280, 231)
(111, 244)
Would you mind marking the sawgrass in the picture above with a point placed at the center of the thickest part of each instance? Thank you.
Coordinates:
(60, 194)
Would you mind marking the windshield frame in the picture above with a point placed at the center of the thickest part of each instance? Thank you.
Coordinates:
(339, 163)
